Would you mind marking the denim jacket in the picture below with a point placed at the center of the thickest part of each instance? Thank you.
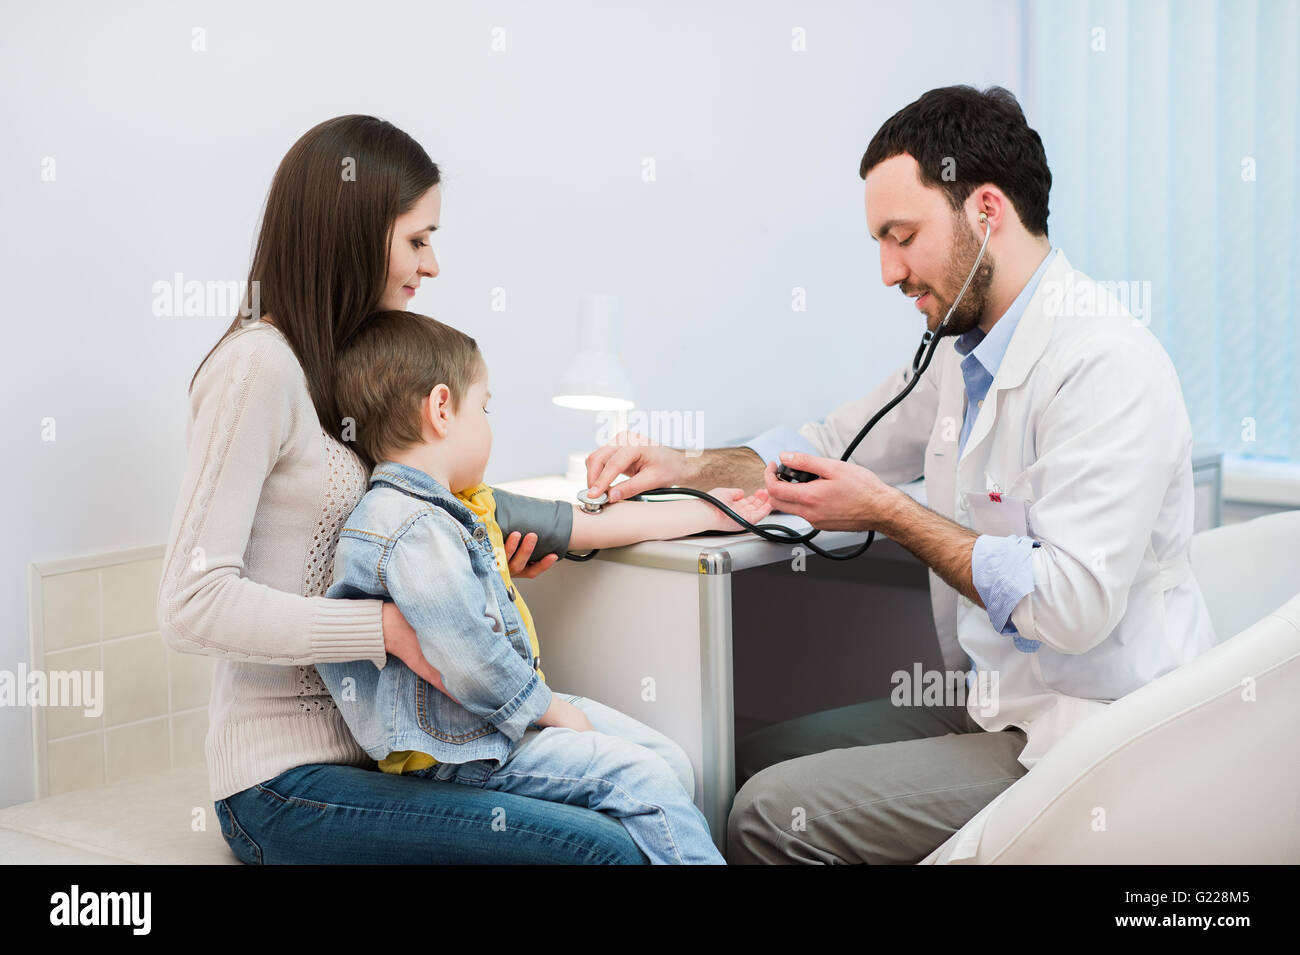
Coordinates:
(410, 540)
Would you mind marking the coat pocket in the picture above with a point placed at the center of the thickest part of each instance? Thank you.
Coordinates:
(999, 515)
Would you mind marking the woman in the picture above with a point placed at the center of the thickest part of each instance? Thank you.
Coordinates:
(345, 232)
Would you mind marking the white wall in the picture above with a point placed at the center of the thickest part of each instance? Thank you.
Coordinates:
(163, 157)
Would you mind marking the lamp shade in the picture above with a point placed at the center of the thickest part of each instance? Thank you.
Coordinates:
(594, 379)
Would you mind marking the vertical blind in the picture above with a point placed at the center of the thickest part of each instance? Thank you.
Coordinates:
(1170, 129)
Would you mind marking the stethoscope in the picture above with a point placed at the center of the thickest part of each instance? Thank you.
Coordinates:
(779, 533)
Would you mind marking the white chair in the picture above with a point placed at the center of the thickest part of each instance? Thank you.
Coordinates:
(1199, 766)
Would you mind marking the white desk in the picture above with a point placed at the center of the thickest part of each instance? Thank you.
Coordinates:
(647, 630)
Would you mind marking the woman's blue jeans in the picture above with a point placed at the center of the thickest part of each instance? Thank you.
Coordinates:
(325, 813)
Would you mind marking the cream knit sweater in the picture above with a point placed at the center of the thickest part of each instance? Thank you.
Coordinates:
(250, 552)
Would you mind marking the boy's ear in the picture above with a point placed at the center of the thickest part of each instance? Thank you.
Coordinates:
(437, 409)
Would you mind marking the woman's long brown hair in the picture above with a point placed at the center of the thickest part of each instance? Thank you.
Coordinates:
(321, 261)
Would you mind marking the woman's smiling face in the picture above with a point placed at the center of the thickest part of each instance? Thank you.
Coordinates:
(410, 257)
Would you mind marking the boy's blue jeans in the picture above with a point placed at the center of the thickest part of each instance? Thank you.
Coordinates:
(624, 769)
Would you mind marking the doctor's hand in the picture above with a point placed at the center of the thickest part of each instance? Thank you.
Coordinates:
(846, 497)
(647, 464)
(519, 551)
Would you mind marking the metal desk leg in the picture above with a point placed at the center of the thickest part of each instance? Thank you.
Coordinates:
(717, 704)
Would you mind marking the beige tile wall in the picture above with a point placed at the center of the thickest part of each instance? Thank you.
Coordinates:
(98, 614)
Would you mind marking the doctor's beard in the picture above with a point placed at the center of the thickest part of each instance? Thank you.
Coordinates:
(965, 249)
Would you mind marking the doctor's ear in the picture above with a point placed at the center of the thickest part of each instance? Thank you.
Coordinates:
(988, 204)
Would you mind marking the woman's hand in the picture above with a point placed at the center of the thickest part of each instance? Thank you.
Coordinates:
(519, 552)
(401, 641)
(753, 508)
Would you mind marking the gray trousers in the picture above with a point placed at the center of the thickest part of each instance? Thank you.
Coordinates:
(872, 782)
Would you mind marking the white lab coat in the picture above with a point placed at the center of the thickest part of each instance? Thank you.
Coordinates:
(1085, 424)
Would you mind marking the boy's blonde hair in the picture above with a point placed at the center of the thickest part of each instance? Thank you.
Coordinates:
(388, 367)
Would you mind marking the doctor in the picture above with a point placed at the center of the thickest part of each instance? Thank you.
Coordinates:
(1056, 450)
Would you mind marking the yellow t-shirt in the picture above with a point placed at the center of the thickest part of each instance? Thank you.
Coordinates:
(479, 500)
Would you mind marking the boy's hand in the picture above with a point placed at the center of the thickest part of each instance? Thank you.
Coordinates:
(563, 713)
(753, 508)
(519, 551)
(579, 722)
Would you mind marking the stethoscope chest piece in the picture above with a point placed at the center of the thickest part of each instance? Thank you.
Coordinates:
(592, 505)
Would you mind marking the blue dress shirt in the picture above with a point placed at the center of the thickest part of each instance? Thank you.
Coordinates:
(1001, 567)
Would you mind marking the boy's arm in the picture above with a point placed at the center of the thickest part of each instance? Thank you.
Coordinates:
(628, 522)
(551, 521)
(480, 667)
(560, 526)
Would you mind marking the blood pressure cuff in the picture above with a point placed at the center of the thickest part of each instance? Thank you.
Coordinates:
(551, 521)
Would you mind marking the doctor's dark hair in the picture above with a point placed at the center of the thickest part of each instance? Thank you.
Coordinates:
(389, 367)
(320, 265)
(973, 138)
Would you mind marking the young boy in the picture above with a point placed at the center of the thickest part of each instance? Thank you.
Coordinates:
(426, 535)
